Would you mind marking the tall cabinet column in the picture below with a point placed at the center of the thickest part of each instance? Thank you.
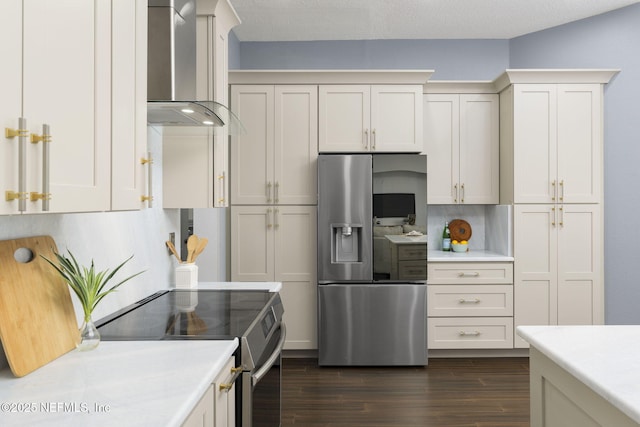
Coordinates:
(551, 170)
(273, 196)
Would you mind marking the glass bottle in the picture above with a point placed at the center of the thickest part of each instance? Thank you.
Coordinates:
(446, 238)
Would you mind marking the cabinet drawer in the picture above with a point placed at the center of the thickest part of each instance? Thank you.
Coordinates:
(470, 300)
(412, 270)
(409, 252)
(470, 332)
(466, 273)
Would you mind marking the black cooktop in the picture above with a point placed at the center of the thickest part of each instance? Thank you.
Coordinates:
(186, 314)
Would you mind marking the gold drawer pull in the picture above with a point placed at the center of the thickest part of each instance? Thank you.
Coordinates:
(469, 333)
(468, 301)
(228, 386)
(468, 274)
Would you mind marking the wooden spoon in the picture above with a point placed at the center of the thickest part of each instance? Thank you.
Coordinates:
(172, 248)
(202, 243)
(192, 243)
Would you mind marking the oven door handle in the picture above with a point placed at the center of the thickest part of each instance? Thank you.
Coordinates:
(255, 378)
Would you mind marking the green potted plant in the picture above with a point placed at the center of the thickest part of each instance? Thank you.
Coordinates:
(89, 286)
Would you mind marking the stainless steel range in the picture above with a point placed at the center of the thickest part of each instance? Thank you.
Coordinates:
(254, 317)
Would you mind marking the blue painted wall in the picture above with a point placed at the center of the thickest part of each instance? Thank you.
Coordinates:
(611, 40)
(451, 59)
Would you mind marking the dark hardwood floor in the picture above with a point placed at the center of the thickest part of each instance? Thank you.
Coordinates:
(487, 392)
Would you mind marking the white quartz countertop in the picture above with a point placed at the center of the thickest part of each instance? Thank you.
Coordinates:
(606, 358)
(121, 383)
(473, 255)
(266, 286)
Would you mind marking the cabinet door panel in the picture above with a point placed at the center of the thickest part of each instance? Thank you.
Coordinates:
(534, 131)
(296, 145)
(74, 99)
(300, 302)
(129, 124)
(252, 152)
(396, 118)
(579, 143)
(442, 133)
(252, 255)
(343, 117)
(295, 243)
(479, 149)
(535, 266)
(11, 88)
(579, 265)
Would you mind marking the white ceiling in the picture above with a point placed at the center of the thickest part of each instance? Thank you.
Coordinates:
(294, 20)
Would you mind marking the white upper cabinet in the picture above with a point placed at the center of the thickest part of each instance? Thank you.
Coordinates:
(66, 84)
(79, 77)
(274, 162)
(556, 132)
(130, 188)
(202, 153)
(370, 118)
(462, 146)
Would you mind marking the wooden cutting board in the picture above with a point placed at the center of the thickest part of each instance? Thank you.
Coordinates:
(459, 230)
(37, 320)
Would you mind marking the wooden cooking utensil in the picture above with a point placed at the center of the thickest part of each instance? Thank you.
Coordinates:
(192, 243)
(202, 243)
(172, 248)
(37, 320)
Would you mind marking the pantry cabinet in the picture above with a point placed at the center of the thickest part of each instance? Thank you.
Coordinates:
(551, 162)
(370, 118)
(71, 70)
(461, 140)
(470, 305)
(278, 243)
(558, 269)
(556, 154)
(274, 162)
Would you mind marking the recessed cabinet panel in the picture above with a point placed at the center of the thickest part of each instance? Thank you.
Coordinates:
(252, 255)
(344, 117)
(579, 147)
(10, 107)
(535, 122)
(442, 128)
(470, 332)
(396, 122)
(71, 44)
(252, 152)
(296, 145)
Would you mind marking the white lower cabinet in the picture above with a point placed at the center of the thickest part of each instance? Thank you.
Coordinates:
(217, 407)
(203, 413)
(558, 265)
(278, 243)
(470, 305)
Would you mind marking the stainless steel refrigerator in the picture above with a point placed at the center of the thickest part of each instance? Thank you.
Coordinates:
(372, 259)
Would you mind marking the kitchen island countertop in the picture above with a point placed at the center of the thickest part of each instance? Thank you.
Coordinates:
(121, 383)
(606, 358)
(474, 255)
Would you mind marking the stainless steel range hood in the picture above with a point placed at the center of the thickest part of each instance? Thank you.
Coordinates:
(171, 70)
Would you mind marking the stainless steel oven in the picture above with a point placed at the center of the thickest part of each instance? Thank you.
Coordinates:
(254, 317)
